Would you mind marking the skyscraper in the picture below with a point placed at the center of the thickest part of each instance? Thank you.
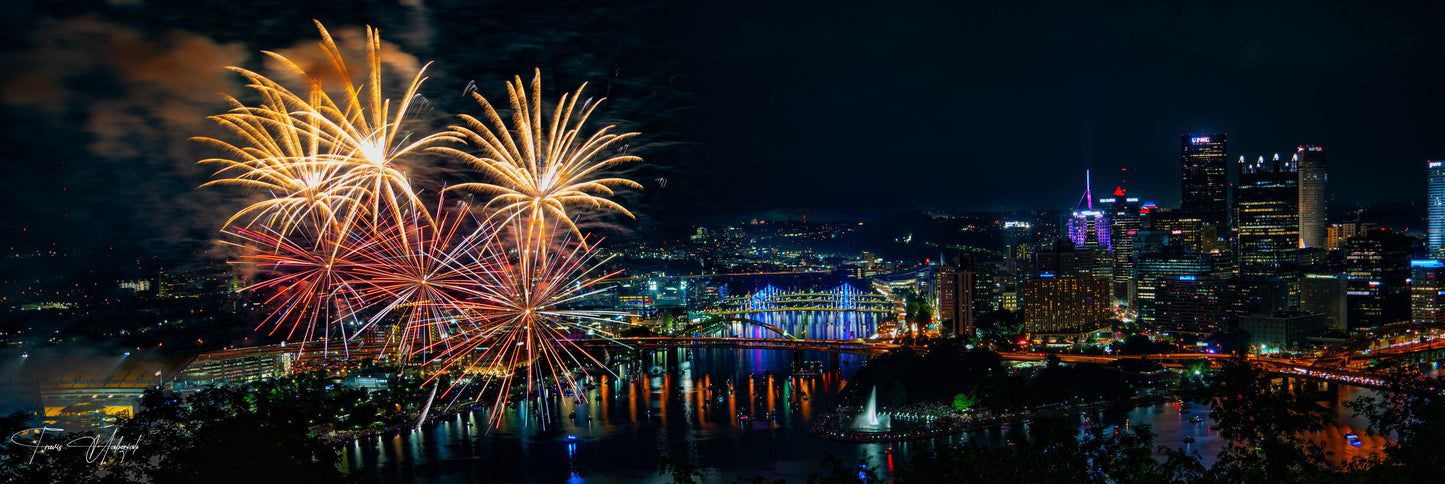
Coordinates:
(1204, 178)
(1124, 224)
(1435, 195)
(1267, 204)
(1089, 227)
(1313, 200)
(1377, 268)
(1325, 294)
(1427, 291)
(955, 298)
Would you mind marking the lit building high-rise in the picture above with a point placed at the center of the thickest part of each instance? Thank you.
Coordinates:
(955, 299)
(1377, 266)
(1065, 304)
(1123, 213)
(1325, 294)
(1427, 291)
(1189, 304)
(1313, 199)
(1267, 204)
(1018, 242)
(1204, 177)
(1336, 234)
(1088, 227)
(1152, 269)
(1435, 196)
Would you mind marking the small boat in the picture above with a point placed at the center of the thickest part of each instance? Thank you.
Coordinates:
(1004, 427)
(572, 439)
(1352, 436)
(1196, 419)
(1189, 439)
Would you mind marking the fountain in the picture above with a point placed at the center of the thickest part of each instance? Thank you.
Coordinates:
(869, 420)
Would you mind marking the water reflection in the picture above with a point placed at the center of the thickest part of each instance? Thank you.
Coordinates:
(740, 412)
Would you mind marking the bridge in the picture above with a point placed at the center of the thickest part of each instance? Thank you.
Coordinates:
(826, 346)
(1386, 346)
(841, 313)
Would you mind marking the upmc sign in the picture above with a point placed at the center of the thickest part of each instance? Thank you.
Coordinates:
(1199, 139)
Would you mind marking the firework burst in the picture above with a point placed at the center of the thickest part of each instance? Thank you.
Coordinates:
(324, 158)
(343, 243)
(544, 169)
(521, 319)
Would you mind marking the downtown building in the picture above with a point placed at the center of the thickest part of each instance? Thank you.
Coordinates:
(1427, 291)
(1204, 178)
(1125, 224)
(955, 285)
(1267, 218)
(1435, 198)
(1167, 263)
(1065, 307)
(1326, 294)
(1377, 273)
(1313, 197)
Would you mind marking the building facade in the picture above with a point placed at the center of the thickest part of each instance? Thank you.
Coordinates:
(1325, 294)
(1268, 218)
(1435, 198)
(1204, 177)
(1313, 199)
(1427, 291)
(1065, 304)
(1377, 270)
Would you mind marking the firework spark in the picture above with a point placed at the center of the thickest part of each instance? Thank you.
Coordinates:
(543, 170)
(344, 244)
(324, 159)
(522, 319)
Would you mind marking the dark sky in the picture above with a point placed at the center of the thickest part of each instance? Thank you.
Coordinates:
(837, 109)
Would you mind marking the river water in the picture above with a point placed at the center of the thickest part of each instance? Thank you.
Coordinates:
(685, 404)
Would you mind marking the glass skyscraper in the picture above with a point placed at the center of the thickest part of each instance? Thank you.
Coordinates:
(1313, 174)
(1435, 195)
(1203, 177)
(1267, 201)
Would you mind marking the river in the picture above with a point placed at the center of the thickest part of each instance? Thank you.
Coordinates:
(670, 406)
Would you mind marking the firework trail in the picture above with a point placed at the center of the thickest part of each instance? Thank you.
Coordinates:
(544, 169)
(323, 159)
(522, 319)
(343, 243)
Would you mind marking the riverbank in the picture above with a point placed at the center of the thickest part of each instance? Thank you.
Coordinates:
(933, 420)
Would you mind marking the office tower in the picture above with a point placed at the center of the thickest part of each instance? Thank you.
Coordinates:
(1204, 178)
(955, 299)
(1336, 234)
(1313, 199)
(1377, 266)
(1267, 208)
(1065, 304)
(1427, 291)
(1018, 242)
(1063, 260)
(1088, 227)
(1281, 330)
(1153, 268)
(1123, 213)
(1189, 304)
(1325, 294)
(1184, 228)
(1435, 196)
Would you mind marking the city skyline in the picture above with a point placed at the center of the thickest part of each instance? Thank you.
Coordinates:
(700, 84)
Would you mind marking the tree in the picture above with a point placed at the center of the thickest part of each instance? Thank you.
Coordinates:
(1417, 418)
(964, 401)
(1266, 427)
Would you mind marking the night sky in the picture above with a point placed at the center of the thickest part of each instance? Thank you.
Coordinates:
(838, 109)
